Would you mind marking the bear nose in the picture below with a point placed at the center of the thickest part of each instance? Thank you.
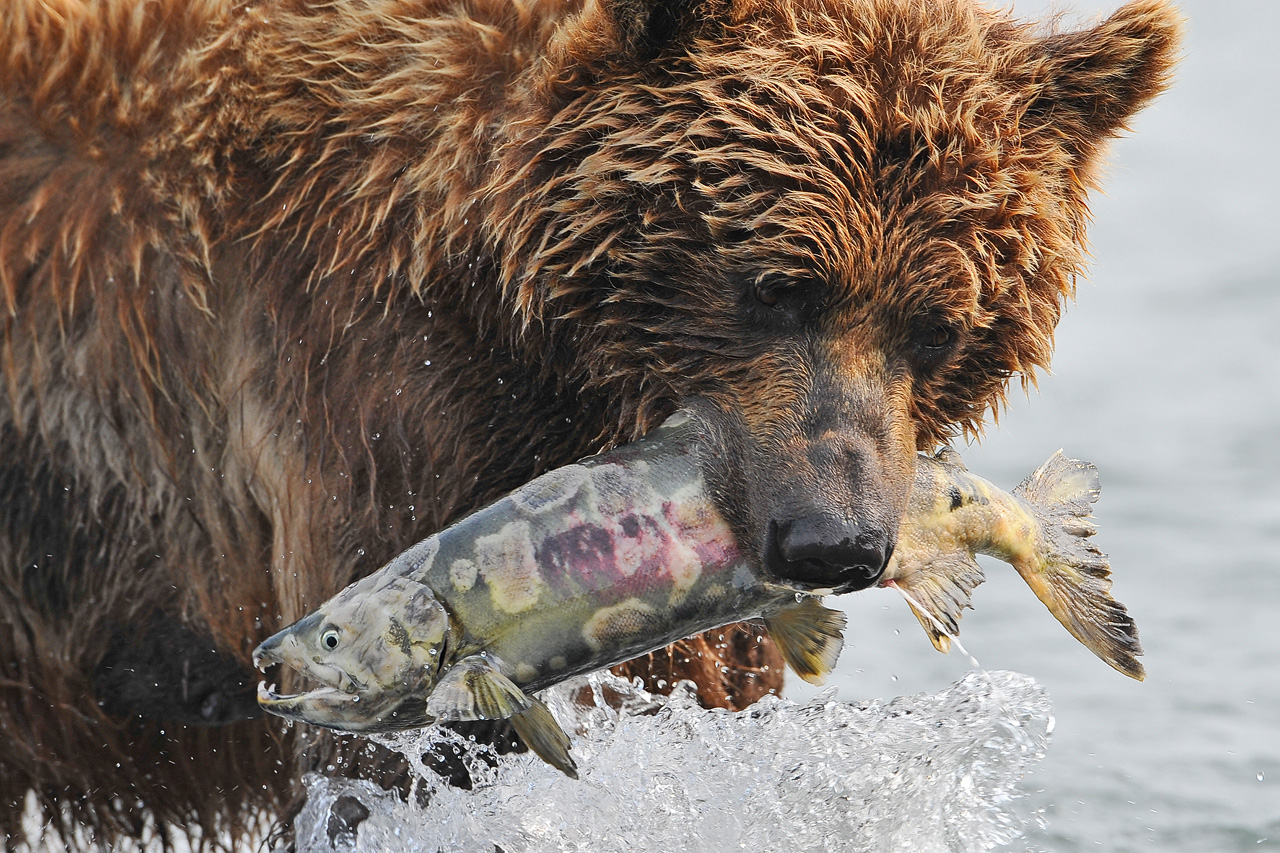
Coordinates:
(823, 552)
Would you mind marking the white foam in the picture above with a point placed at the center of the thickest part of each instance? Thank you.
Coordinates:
(922, 773)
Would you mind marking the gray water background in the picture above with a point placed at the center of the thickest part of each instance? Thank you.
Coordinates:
(1167, 376)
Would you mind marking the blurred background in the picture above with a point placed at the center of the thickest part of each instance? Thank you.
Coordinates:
(1167, 376)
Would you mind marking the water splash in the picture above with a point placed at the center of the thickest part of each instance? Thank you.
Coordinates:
(923, 773)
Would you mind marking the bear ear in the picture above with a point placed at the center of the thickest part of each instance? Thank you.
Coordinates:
(650, 28)
(1090, 83)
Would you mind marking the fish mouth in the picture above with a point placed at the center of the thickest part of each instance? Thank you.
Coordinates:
(334, 704)
(338, 703)
(297, 705)
(323, 706)
(348, 712)
(268, 653)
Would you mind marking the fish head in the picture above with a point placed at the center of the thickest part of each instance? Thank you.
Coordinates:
(376, 650)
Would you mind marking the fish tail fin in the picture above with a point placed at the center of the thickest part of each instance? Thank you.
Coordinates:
(938, 594)
(809, 636)
(1067, 572)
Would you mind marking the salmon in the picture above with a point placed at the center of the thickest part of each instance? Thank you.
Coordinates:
(618, 555)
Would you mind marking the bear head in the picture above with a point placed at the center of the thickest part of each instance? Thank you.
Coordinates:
(839, 228)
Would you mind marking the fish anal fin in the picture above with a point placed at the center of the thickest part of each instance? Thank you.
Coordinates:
(540, 732)
(809, 636)
(941, 641)
(475, 689)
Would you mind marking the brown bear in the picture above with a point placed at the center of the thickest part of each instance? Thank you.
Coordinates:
(287, 286)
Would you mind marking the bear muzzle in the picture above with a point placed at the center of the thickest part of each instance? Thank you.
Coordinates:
(817, 551)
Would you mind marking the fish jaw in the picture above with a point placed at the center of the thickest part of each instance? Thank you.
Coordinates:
(336, 709)
(376, 649)
(341, 702)
(335, 704)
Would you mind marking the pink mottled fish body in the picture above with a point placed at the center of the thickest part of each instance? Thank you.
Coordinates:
(585, 567)
(593, 564)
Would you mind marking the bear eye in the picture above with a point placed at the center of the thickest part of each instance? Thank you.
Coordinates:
(938, 337)
(329, 639)
(767, 295)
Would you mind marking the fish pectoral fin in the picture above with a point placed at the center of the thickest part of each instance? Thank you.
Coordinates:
(809, 636)
(542, 734)
(474, 689)
(938, 594)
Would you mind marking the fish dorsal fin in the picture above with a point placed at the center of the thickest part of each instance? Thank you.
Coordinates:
(942, 588)
(1061, 486)
(541, 733)
(948, 456)
(474, 689)
(809, 636)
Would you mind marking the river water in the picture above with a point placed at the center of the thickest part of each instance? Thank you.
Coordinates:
(1167, 376)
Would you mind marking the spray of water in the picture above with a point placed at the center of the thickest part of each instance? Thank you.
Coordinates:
(923, 773)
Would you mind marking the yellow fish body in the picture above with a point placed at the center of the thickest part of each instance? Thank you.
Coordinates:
(1042, 528)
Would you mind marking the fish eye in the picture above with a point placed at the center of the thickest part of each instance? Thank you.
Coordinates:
(329, 639)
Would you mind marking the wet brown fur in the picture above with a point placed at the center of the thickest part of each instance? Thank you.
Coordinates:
(284, 287)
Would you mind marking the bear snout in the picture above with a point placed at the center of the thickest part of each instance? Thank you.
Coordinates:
(817, 551)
